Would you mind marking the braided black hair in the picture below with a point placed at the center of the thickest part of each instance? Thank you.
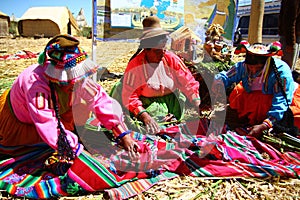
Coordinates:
(136, 53)
(64, 149)
(286, 124)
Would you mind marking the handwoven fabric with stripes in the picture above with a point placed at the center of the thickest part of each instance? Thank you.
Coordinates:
(176, 151)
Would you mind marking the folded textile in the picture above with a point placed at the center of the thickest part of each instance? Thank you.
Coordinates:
(22, 54)
(162, 157)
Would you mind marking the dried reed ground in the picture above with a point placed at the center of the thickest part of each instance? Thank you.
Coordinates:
(114, 56)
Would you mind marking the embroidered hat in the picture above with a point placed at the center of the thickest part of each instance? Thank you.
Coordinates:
(68, 62)
(259, 49)
(152, 28)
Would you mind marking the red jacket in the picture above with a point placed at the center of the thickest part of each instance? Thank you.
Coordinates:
(138, 73)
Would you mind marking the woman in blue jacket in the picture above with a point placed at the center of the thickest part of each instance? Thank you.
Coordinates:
(257, 95)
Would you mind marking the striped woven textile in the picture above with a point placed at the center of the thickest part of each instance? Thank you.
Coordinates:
(175, 151)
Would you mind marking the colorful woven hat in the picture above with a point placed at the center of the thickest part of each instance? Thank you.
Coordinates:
(68, 62)
(259, 49)
(152, 28)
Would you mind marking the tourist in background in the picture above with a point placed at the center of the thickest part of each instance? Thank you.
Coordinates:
(289, 31)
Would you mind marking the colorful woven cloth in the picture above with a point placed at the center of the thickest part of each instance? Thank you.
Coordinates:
(162, 157)
(22, 54)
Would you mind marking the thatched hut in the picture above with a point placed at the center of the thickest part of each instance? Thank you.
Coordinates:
(47, 21)
(183, 40)
(4, 24)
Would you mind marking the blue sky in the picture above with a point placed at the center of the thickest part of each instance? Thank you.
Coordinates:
(19, 7)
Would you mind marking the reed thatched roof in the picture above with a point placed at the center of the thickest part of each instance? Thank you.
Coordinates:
(4, 24)
(48, 21)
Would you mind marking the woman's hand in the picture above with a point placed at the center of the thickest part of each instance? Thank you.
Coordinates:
(152, 126)
(131, 146)
(257, 130)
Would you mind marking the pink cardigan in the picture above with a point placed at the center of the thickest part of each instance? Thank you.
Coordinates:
(30, 95)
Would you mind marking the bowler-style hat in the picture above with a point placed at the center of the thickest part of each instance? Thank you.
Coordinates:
(152, 28)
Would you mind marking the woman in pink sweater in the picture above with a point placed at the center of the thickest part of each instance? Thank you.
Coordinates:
(48, 100)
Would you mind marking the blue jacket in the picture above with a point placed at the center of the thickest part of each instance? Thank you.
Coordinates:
(239, 73)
